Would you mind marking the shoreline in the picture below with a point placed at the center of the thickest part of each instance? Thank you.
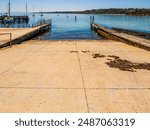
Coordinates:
(90, 13)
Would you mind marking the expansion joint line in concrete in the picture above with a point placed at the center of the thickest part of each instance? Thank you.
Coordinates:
(11, 87)
(87, 105)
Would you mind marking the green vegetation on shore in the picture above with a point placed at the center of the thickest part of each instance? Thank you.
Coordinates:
(125, 11)
(128, 11)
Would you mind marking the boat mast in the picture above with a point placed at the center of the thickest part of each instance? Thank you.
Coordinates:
(33, 9)
(26, 8)
(33, 14)
(9, 8)
(41, 10)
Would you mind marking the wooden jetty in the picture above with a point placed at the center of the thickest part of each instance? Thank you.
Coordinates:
(10, 36)
(121, 36)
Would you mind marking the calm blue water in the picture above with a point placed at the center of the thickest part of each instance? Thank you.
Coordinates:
(135, 23)
(64, 26)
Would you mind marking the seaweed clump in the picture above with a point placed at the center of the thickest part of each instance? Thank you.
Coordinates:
(126, 65)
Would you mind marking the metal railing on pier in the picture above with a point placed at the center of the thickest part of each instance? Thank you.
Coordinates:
(42, 21)
(26, 24)
(10, 38)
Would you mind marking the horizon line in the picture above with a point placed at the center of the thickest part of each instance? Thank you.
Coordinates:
(74, 10)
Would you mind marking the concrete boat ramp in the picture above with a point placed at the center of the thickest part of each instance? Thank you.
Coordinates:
(74, 76)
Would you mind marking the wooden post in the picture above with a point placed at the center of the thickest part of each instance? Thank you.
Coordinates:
(93, 19)
(75, 18)
(10, 39)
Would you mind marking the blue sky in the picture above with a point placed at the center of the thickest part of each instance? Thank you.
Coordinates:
(71, 5)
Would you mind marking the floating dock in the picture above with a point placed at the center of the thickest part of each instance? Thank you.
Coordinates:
(122, 37)
(10, 36)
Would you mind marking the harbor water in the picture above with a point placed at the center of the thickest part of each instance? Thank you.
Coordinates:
(77, 26)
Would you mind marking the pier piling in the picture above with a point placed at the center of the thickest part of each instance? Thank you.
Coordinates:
(75, 18)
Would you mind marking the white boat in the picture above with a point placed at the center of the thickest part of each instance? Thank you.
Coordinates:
(8, 20)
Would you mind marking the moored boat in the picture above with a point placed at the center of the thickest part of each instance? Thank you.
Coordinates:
(8, 19)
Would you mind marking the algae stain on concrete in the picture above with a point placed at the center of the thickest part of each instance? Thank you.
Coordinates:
(122, 64)
(73, 51)
(125, 65)
(97, 55)
(85, 51)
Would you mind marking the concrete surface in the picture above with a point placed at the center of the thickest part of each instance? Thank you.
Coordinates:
(63, 76)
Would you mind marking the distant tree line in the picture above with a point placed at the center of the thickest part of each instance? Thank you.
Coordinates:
(127, 11)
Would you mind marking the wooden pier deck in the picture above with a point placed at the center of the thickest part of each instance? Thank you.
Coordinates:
(74, 76)
(122, 37)
(19, 34)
